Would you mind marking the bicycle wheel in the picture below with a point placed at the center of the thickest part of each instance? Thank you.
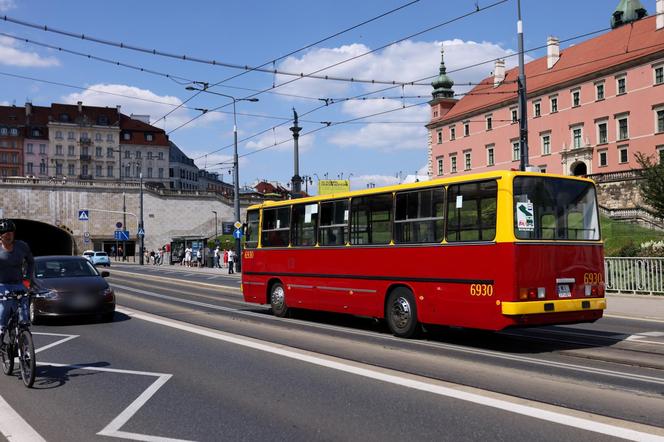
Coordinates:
(7, 358)
(26, 358)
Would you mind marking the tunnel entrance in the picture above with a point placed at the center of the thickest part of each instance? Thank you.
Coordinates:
(44, 239)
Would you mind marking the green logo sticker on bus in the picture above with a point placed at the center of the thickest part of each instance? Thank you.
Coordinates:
(525, 218)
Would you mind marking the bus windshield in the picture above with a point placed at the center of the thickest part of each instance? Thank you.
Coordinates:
(555, 209)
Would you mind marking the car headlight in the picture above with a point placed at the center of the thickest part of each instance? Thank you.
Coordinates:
(48, 294)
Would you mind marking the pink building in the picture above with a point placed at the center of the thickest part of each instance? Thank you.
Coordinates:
(591, 107)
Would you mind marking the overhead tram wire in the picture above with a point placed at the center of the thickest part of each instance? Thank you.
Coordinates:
(447, 22)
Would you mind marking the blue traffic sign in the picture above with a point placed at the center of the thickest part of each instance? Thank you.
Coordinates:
(122, 235)
(237, 234)
(83, 215)
(141, 232)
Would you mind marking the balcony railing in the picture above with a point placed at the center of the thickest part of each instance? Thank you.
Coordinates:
(86, 157)
(85, 177)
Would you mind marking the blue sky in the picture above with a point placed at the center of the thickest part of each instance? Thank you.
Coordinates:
(382, 149)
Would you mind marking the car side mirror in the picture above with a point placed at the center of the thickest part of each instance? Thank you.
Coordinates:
(105, 274)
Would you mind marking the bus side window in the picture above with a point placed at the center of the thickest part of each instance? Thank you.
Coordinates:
(276, 227)
(303, 232)
(251, 230)
(471, 211)
(333, 223)
(371, 219)
(419, 216)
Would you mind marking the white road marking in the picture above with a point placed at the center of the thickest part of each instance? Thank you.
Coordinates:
(14, 427)
(633, 318)
(560, 416)
(438, 345)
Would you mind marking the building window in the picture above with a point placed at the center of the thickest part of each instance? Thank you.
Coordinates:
(109, 152)
(542, 169)
(439, 136)
(149, 137)
(127, 171)
(435, 114)
(603, 161)
(453, 164)
(149, 172)
(98, 152)
(138, 154)
(576, 98)
(30, 168)
(537, 109)
(466, 129)
(58, 135)
(599, 91)
(127, 154)
(126, 136)
(160, 156)
(554, 105)
(660, 154)
(98, 137)
(98, 170)
(71, 170)
(36, 133)
(58, 149)
(515, 118)
(659, 120)
(577, 137)
(42, 168)
(71, 150)
(490, 159)
(161, 172)
(621, 85)
(70, 136)
(623, 131)
(516, 151)
(42, 149)
(489, 122)
(546, 144)
(58, 169)
(622, 153)
(109, 138)
(440, 165)
(84, 136)
(602, 133)
(659, 75)
(150, 155)
(452, 133)
(84, 170)
(467, 160)
(29, 150)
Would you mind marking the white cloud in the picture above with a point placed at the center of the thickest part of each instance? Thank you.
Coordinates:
(6, 5)
(363, 181)
(10, 55)
(281, 133)
(138, 101)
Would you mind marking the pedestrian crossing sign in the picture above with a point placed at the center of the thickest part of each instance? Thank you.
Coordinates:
(83, 215)
(141, 232)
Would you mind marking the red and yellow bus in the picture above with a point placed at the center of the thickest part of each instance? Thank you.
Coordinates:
(485, 251)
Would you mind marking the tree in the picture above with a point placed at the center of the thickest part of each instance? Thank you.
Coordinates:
(651, 185)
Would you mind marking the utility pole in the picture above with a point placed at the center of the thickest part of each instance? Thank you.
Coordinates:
(523, 110)
(140, 224)
(297, 180)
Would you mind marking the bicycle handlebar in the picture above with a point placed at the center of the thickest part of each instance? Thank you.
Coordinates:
(14, 294)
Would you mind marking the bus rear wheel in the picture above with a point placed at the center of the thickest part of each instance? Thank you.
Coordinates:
(278, 300)
(401, 313)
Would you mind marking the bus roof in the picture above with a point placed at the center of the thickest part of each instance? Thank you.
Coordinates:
(498, 174)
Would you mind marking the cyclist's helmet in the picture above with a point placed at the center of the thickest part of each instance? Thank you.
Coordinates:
(7, 225)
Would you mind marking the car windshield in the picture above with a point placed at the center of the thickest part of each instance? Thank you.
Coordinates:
(67, 268)
(88, 254)
(101, 254)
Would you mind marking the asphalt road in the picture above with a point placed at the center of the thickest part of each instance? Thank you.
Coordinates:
(186, 358)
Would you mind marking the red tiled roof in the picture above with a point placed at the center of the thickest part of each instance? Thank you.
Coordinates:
(91, 112)
(12, 115)
(609, 51)
(134, 126)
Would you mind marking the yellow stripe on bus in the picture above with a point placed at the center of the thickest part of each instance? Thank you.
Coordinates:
(566, 305)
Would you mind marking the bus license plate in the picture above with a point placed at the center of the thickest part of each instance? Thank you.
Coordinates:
(564, 291)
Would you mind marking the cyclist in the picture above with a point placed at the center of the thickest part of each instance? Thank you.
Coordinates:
(13, 255)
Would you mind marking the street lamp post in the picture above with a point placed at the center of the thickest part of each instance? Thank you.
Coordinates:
(236, 180)
(215, 225)
(140, 224)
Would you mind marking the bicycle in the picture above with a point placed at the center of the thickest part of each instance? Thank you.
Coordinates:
(17, 341)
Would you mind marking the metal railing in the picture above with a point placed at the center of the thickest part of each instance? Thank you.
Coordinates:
(634, 275)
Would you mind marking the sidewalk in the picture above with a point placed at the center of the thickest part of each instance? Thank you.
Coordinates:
(635, 306)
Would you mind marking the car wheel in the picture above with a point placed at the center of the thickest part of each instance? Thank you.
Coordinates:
(34, 317)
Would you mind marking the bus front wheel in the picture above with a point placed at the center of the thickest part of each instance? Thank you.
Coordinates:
(401, 313)
(278, 300)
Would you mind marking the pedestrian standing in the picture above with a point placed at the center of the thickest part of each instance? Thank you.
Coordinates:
(225, 258)
(187, 257)
(216, 257)
(199, 258)
(231, 262)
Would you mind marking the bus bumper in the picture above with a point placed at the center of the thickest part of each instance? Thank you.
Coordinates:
(558, 306)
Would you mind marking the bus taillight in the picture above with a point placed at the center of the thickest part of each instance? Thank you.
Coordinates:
(532, 293)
